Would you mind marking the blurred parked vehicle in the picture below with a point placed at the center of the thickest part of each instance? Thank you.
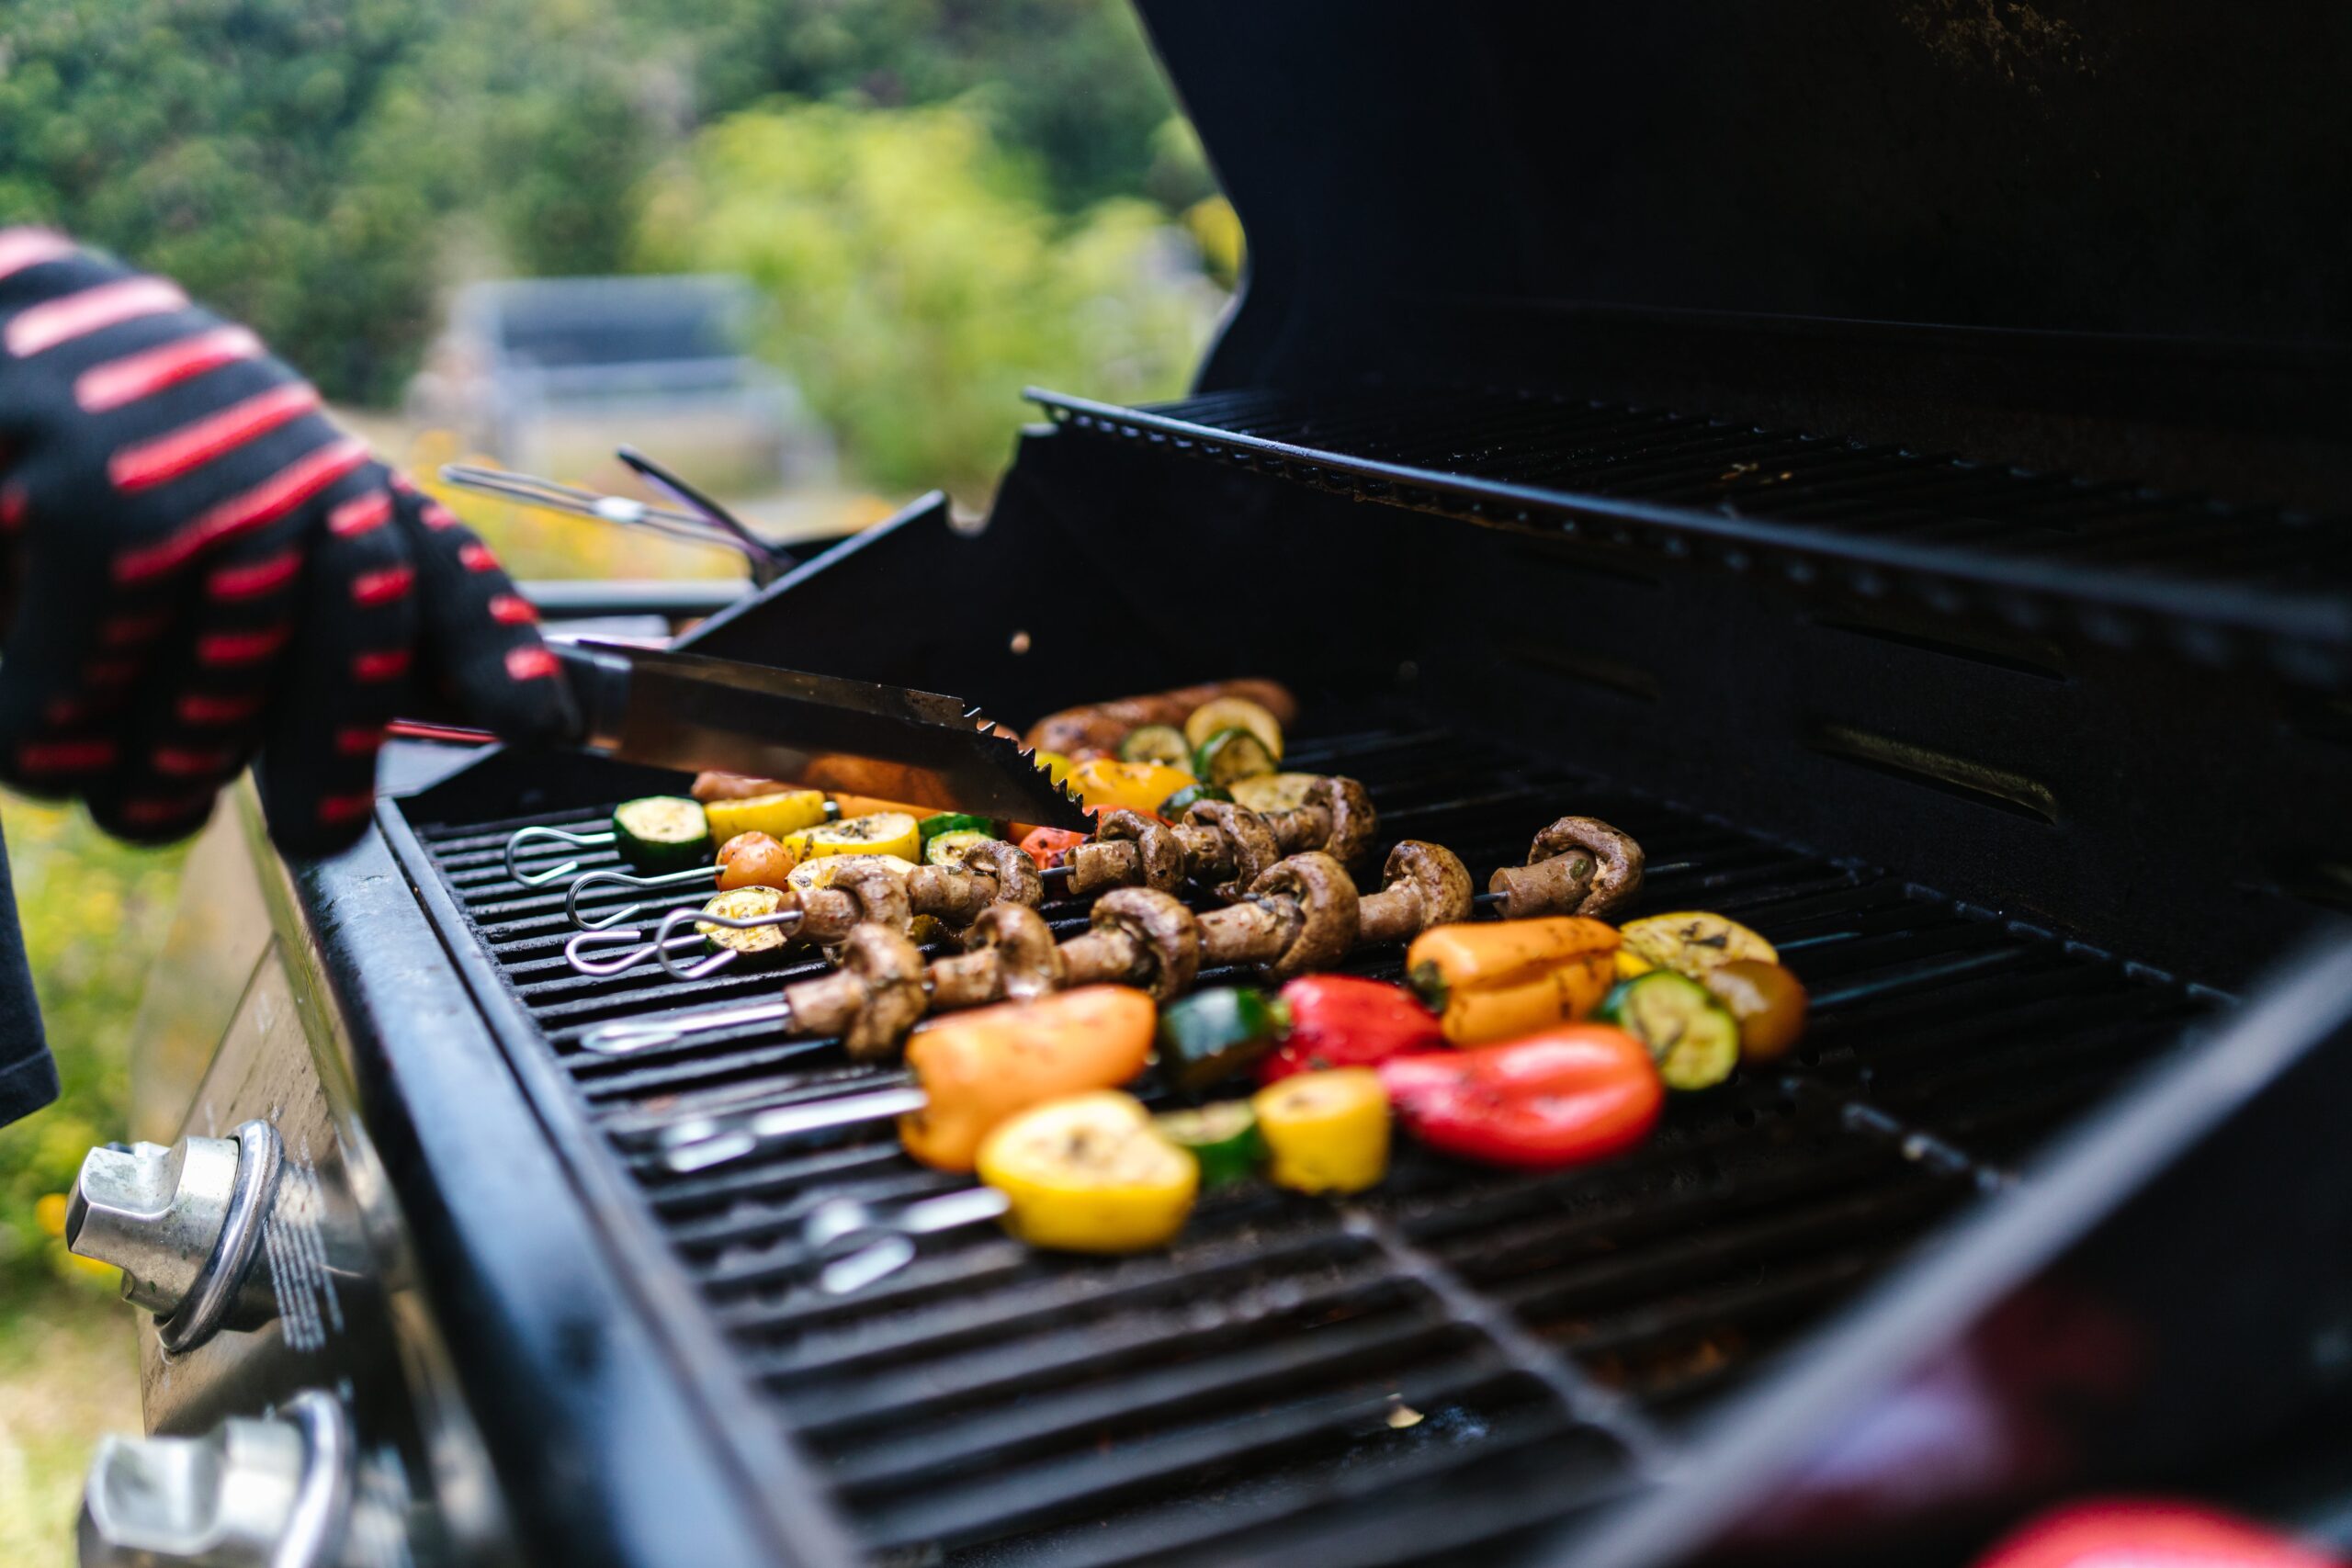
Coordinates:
(549, 374)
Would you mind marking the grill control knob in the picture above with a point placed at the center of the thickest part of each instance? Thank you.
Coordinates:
(269, 1492)
(183, 1224)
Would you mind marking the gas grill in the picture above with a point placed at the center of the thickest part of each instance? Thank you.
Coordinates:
(1560, 457)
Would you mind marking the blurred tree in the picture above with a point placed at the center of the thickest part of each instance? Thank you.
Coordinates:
(295, 162)
(920, 277)
(214, 139)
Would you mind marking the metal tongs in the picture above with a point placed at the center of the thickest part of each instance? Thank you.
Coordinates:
(705, 523)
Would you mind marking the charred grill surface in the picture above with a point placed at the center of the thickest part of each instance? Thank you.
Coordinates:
(1454, 1358)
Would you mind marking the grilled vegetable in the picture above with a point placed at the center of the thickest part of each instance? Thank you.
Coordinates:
(1691, 941)
(1045, 845)
(1100, 727)
(947, 849)
(846, 806)
(1234, 713)
(1769, 1002)
(1229, 756)
(812, 874)
(1499, 979)
(1090, 1174)
(754, 860)
(1126, 786)
(1174, 806)
(1275, 792)
(1161, 743)
(743, 904)
(1339, 1020)
(1223, 1138)
(1694, 1041)
(1576, 1092)
(709, 787)
(661, 833)
(1325, 1132)
(980, 1067)
(953, 822)
(875, 833)
(776, 814)
(1211, 1035)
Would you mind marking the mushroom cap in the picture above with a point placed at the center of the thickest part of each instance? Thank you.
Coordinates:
(891, 967)
(1017, 881)
(1156, 843)
(1353, 818)
(1028, 962)
(881, 895)
(1436, 874)
(1253, 845)
(1326, 897)
(1166, 929)
(1617, 859)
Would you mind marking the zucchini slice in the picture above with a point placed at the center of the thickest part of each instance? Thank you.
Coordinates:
(1275, 792)
(1161, 743)
(1231, 755)
(953, 822)
(777, 814)
(1693, 1039)
(743, 904)
(661, 833)
(1234, 713)
(947, 849)
(876, 833)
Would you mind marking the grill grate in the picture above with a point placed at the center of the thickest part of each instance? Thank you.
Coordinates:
(2218, 579)
(1456, 1356)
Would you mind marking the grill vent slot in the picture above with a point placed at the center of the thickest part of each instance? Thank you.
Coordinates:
(1611, 675)
(2013, 792)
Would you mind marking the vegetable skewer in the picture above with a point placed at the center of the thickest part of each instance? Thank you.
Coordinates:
(1218, 839)
(1299, 914)
(1303, 912)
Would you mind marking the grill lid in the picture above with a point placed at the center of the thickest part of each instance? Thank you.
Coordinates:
(1547, 194)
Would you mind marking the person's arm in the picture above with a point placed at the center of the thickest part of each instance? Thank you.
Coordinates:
(199, 568)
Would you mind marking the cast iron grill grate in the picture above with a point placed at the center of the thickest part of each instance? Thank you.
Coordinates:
(2214, 580)
(1457, 1357)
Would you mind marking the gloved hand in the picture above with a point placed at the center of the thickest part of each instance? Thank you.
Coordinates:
(199, 566)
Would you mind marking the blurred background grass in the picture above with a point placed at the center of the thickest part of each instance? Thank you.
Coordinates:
(939, 200)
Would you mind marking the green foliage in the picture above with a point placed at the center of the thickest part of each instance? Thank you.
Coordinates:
(213, 140)
(94, 912)
(920, 277)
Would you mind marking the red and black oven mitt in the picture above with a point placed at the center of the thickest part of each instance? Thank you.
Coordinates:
(199, 567)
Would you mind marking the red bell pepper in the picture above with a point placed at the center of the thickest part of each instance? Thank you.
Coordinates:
(1573, 1093)
(1046, 845)
(1339, 1020)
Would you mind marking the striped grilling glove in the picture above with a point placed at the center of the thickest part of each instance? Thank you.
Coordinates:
(199, 567)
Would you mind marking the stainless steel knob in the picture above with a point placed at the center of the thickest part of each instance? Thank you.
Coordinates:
(183, 1224)
(269, 1492)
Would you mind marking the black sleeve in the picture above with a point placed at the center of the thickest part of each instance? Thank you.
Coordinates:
(28, 1077)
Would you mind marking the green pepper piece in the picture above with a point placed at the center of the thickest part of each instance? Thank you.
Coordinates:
(1213, 1034)
(1223, 1138)
(1174, 806)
